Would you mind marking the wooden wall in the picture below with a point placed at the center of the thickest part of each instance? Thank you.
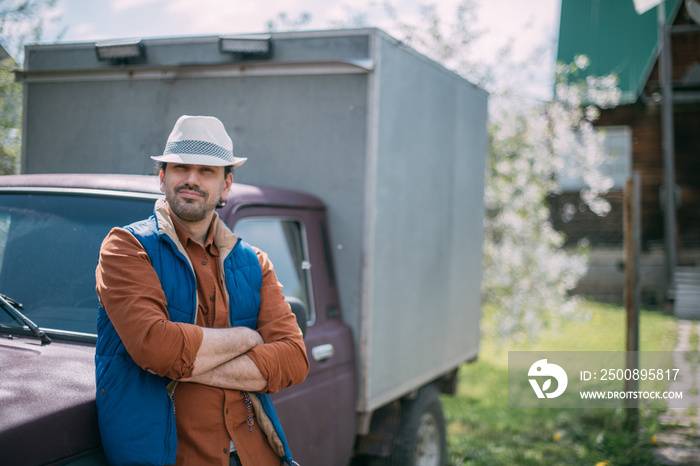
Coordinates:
(647, 160)
(644, 119)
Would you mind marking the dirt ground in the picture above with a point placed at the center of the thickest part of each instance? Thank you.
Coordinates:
(679, 441)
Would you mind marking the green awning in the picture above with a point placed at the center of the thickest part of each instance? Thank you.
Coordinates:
(614, 37)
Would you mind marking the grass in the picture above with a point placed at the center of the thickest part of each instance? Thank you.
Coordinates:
(482, 430)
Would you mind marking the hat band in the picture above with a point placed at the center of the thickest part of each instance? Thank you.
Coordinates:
(191, 146)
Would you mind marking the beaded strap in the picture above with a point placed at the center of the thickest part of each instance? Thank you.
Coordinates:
(248, 403)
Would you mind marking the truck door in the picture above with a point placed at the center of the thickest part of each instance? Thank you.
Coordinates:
(318, 415)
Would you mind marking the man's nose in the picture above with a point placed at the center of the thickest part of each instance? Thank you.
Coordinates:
(191, 178)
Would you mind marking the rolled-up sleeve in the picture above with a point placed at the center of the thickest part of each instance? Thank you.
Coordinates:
(282, 359)
(129, 289)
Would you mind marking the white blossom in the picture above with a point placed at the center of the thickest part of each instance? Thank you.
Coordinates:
(582, 61)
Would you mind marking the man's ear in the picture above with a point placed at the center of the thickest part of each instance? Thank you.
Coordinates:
(161, 175)
(228, 182)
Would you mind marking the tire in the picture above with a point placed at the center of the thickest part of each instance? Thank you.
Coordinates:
(420, 438)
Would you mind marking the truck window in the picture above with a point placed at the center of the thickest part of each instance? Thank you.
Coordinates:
(284, 241)
(49, 246)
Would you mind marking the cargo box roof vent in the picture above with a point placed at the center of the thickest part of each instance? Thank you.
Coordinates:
(121, 51)
(247, 46)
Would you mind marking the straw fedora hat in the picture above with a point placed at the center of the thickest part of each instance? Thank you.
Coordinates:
(199, 140)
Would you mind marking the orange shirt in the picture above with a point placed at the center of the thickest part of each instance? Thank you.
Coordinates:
(207, 418)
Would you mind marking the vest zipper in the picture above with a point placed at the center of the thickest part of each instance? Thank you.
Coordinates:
(170, 388)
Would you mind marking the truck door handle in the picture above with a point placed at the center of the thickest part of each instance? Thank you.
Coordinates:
(322, 352)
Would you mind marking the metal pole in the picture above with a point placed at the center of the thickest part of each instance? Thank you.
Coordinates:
(668, 142)
(632, 230)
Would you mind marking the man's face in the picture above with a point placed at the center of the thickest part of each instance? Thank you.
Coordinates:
(192, 191)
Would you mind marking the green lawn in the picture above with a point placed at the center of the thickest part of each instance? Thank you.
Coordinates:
(482, 430)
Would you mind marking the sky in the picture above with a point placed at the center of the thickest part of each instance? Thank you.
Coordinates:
(526, 25)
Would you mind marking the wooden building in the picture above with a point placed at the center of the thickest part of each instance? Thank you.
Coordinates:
(618, 40)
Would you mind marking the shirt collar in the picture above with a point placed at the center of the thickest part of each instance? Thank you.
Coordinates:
(186, 240)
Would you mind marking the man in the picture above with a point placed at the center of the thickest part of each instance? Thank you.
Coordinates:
(192, 323)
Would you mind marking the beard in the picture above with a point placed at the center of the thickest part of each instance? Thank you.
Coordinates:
(191, 210)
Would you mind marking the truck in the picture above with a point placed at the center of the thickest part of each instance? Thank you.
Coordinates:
(364, 184)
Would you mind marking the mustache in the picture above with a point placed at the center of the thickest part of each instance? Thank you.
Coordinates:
(191, 188)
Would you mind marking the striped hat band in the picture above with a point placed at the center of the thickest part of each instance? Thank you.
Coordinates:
(194, 147)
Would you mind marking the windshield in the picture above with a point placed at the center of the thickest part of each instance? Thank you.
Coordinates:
(49, 246)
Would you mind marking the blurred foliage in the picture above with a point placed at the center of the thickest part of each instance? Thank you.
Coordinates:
(527, 274)
(10, 118)
(20, 21)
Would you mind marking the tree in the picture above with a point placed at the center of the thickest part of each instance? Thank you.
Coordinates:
(527, 274)
(20, 20)
(10, 115)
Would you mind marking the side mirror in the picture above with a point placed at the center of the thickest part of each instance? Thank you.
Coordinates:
(300, 311)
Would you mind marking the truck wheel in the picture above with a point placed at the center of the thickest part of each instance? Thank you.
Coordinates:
(420, 436)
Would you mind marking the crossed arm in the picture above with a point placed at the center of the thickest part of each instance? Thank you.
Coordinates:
(266, 359)
(221, 360)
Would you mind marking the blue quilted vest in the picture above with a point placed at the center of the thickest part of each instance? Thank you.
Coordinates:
(135, 410)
